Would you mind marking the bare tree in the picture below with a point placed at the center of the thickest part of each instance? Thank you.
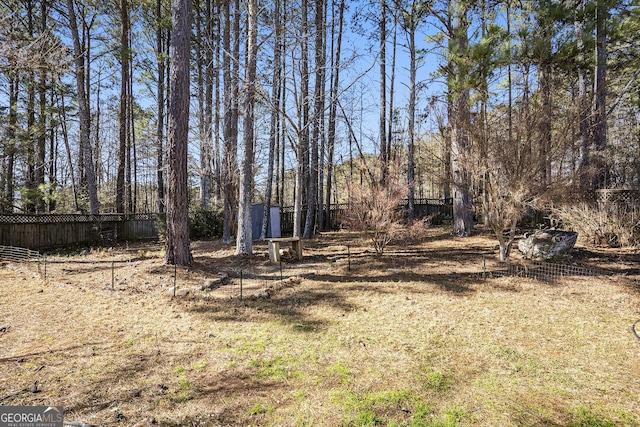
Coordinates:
(318, 120)
(302, 148)
(244, 237)
(178, 250)
(161, 47)
(204, 67)
(333, 109)
(276, 89)
(410, 17)
(83, 108)
(230, 125)
(384, 155)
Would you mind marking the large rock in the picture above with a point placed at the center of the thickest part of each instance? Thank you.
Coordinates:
(547, 244)
(215, 283)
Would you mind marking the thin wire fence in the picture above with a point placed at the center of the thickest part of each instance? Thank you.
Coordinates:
(113, 274)
(134, 275)
(549, 272)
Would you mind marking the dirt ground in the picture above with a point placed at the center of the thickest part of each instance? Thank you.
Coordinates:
(432, 333)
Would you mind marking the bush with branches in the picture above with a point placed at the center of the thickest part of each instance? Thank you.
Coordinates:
(611, 224)
(375, 210)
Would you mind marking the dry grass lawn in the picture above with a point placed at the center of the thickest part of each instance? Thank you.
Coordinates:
(414, 338)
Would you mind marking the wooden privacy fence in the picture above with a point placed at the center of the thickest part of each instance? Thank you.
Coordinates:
(48, 231)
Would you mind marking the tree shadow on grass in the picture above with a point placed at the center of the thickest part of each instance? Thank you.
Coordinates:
(288, 306)
(231, 398)
(455, 284)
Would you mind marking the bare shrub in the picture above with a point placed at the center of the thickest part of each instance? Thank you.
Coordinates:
(418, 230)
(374, 209)
(610, 224)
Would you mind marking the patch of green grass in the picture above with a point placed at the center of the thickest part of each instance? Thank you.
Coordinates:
(346, 399)
(383, 408)
(184, 392)
(341, 371)
(452, 417)
(435, 380)
(199, 366)
(276, 369)
(259, 408)
(299, 395)
(250, 343)
(424, 416)
(367, 409)
(421, 415)
(391, 398)
(365, 419)
(585, 417)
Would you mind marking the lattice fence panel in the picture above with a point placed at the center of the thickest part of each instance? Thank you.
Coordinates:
(72, 218)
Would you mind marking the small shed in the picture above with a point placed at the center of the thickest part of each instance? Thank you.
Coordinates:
(257, 216)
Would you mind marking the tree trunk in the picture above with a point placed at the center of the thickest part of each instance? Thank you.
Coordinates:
(53, 156)
(84, 113)
(217, 170)
(160, 91)
(411, 35)
(198, 51)
(582, 106)
(333, 113)
(384, 156)
(41, 143)
(318, 117)
(96, 133)
(321, 122)
(392, 91)
(133, 158)
(280, 167)
(178, 251)
(10, 148)
(204, 61)
(600, 90)
(545, 89)
(208, 108)
(123, 116)
(275, 114)
(459, 122)
(230, 142)
(302, 150)
(244, 238)
(29, 201)
(42, 123)
(65, 135)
